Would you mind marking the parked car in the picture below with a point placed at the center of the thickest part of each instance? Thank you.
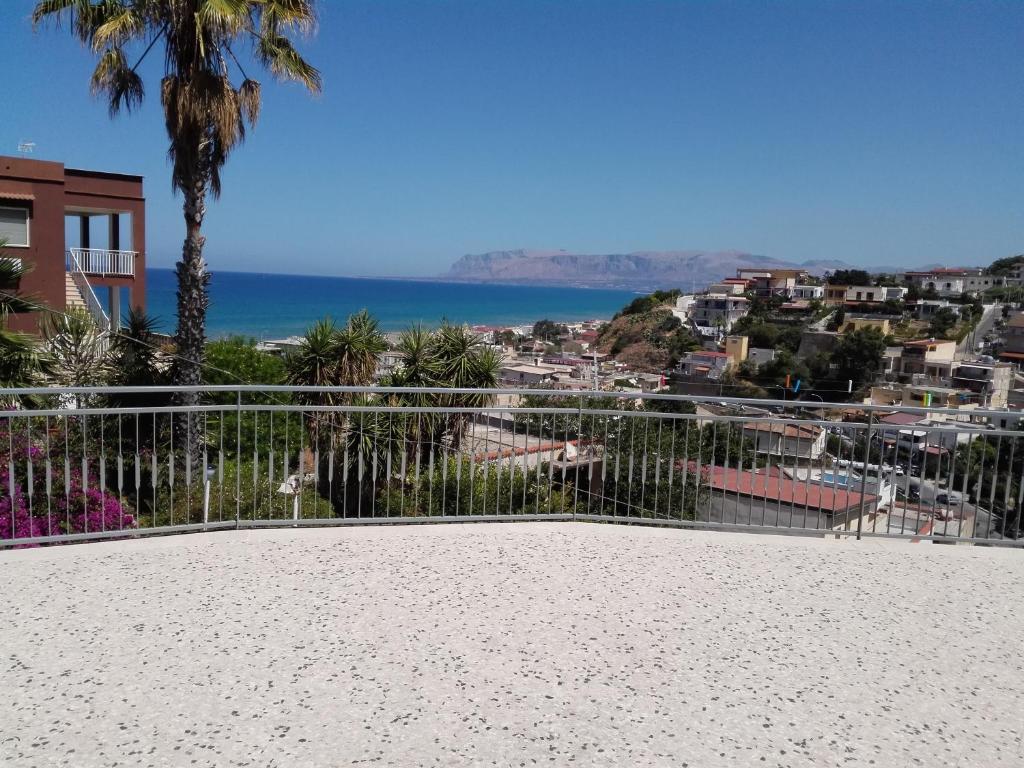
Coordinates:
(949, 498)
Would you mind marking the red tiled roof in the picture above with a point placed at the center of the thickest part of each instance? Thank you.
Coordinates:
(900, 419)
(804, 431)
(812, 495)
(539, 448)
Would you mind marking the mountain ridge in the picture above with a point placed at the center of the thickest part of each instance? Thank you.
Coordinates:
(637, 270)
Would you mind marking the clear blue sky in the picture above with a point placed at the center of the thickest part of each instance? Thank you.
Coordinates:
(879, 133)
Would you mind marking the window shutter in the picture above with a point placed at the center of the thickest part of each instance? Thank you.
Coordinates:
(14, 226)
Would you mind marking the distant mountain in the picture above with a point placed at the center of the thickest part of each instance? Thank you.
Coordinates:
(639, 271)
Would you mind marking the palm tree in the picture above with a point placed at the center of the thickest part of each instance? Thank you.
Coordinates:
(204, 112)
(330, 356)
(359, 346)
(22, 360)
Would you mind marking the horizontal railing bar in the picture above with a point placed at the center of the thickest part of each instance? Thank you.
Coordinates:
(126, 533)
(671, 397)
(329, 522)
(960, 428)
(826, 533)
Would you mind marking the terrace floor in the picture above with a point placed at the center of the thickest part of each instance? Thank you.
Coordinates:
(511, 644)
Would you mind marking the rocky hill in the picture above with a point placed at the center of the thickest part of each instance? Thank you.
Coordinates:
(646, 335)
(638, 271)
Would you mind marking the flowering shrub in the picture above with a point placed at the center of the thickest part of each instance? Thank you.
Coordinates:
(83, 508)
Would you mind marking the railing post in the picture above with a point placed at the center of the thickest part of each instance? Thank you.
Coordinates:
(238, 459)
(864, 473)
(579, 447)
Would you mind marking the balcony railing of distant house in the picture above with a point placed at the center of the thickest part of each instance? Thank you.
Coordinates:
(92, 302)
(86, 463)
(100, 262)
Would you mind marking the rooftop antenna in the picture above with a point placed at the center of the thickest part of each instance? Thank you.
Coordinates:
(26, 147)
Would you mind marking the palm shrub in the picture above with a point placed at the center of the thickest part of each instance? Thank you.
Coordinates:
(22, 360)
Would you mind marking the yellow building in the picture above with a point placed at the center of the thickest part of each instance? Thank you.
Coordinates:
(736, 348)
(857, 323)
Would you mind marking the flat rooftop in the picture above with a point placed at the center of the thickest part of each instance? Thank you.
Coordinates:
(510, 644)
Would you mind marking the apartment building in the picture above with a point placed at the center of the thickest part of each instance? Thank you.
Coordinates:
(718, 311)
(82, 233)
(953, 282)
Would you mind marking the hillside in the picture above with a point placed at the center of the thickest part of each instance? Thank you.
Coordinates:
(639, 271)
(646, 335)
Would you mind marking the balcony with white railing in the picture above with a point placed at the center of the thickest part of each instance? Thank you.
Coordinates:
(101, 262)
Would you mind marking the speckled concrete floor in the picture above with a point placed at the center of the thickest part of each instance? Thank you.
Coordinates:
(518, 645)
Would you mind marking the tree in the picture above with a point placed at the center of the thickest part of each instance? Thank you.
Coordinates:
(942, 322)
(333, 356)
(545, 330)
(205, 114)
(642, 304)
(850, 277)
(1005, 266)
(858, 355)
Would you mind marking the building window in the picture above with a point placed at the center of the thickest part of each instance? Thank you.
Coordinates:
(14, 226)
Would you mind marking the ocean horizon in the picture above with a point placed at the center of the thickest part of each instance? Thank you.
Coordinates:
(266, 306)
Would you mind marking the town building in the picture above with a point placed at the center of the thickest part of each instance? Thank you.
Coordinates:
(40, 201)
(928, 357)
(1013, 339)
(925, 309)
(954, 282)
(873, 294)
(808, 292)
(835, 295)
(990, 381)
(793, 440)
(772, 282)
(526, 375)
(684, 305)
(718, 311)
(703, 364)
(731, 286)
(857, 323)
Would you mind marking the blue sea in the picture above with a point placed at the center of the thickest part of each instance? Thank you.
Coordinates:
(274, 306)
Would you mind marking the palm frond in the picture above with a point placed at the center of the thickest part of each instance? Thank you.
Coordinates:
(119, 82)
(277, 54)
(121, 24)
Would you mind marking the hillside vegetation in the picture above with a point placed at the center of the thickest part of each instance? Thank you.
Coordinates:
(646, 335)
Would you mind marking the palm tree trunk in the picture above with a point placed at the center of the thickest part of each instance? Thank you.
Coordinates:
(193, 301)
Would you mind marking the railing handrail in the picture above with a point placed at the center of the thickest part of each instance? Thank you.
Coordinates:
(92, 302)
(573, 394)
(297, 461)
(110, 261)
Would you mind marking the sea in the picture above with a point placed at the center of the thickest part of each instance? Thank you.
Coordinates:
(270, 306)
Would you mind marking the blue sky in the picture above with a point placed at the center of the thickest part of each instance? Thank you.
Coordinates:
(880, 133)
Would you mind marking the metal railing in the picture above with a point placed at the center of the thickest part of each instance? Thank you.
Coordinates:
(85, 463)
(102, 262)
(92, 303)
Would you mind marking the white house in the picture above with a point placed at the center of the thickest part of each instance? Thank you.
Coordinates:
(953, 282)
(808, 292)
(869, 294)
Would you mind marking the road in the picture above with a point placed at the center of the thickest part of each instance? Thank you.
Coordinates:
(966, 348)
(984, 527)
